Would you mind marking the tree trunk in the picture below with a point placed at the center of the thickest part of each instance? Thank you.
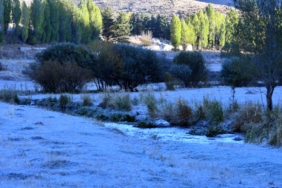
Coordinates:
(269, 93)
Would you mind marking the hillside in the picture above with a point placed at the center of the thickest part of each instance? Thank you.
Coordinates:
(164, 7)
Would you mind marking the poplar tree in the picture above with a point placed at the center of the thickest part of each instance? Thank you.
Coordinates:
(65, 20)
(175, 31)
(86, 33)
(203, 29)
(77, 25)
(196, 24)
(1, 21)
(25, 17)
(95, 18)
(220, 29)
(7, 14)
(54, 20)
(16, 16)
(231, 22)
(47, 28)
(37, 21)
(184, 34)
(212, 24)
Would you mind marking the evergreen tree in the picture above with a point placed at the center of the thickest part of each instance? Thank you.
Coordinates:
(122, 27)
(154, 27)
(108, 23)
(25, 18)
(175, 31)
(1, 21)
(146, 22)
(7, 14)
(95, 18)
(164, 27)
(137, 25)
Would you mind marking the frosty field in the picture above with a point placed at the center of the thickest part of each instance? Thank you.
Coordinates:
(41, 148)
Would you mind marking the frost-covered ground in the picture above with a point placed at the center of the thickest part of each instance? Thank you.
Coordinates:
(40, 148)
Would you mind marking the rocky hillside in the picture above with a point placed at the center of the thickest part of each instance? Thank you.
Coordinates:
(164, 7)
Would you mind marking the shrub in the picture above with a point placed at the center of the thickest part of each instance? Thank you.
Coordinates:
(140, 66)
(63, 68)
(109, 66)
(56, 77)
(182, 72)
(170, 81)
(126, 66)
(68, 52)
(196, 63)
(237, 72)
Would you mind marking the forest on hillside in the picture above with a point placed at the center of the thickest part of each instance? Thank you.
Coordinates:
(50, 21)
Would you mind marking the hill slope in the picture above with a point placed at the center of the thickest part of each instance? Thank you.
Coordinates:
(164, 7)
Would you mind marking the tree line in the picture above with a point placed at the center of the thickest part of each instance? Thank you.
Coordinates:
(206, 29)
(49, 21)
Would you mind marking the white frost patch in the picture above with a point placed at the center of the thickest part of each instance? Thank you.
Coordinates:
(172, 134)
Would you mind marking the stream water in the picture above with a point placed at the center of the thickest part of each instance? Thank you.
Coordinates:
(173, 134)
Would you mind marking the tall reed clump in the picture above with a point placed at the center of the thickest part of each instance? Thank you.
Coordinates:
(64, 101)
(182, 113)
(152, 104)
(120, 102)
(10, 96)
(248, 114)
(213, 111)
(268, 130)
